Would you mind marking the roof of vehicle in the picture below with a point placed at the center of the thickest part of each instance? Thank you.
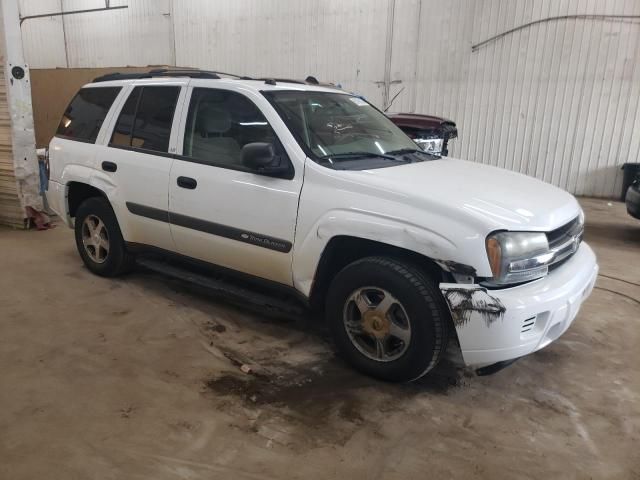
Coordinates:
(168, 76)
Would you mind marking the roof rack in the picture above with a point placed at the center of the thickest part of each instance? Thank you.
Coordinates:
(273, 81)
(217, 72)
(210, 74)
(168, 72)
(310, 80)
(160, 72)
(120, 76)
(186, 72)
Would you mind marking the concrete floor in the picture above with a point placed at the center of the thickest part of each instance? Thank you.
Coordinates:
(138, 378)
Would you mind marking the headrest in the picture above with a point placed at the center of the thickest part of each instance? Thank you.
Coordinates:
(213, 120)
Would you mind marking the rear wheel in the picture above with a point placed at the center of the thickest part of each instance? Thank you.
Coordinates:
(99, 240)
(388, 318)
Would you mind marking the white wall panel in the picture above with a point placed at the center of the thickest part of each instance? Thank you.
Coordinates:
(342, 41)
(43, 38)
(559, 100)
(139, 35)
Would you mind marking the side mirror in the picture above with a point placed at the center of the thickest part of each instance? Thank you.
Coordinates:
(261, 157)
(257, 155)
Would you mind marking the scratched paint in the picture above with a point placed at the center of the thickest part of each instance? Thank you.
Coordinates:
(467, 304)
(455, 267)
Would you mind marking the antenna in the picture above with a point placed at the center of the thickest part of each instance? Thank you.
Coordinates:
(394, 97)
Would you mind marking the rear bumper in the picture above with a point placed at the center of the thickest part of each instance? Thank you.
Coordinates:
(498, 325)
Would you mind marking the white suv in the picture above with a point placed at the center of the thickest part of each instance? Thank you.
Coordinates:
(315, 190)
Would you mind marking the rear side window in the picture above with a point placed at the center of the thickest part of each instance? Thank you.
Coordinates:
(122, 133)
(84, 116)
(146, 118)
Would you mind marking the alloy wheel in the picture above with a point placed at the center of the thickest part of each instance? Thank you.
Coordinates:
(377, 324)
(95, 239)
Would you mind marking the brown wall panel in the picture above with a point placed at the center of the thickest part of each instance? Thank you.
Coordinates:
(52, 90)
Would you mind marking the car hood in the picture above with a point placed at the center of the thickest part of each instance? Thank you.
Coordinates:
(498, 198)
(418, 120)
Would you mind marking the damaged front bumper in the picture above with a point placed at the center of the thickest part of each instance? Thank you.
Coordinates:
(498, 325)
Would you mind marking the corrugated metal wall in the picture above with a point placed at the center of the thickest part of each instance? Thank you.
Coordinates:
(339, 40)
(138, 35)
(559, 100)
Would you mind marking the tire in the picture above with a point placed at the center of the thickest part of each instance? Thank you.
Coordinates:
(419, 311)
(111, 258)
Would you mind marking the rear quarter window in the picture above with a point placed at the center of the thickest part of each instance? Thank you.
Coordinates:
(84, 116)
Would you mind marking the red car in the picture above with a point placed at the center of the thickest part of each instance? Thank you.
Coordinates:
(433, 134)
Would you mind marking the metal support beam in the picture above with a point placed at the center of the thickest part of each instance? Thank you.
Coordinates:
(73, 12)
(388, 54)
(633, 18)
(18, 90)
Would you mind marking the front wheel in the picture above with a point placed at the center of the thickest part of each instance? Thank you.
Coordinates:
(388, 318)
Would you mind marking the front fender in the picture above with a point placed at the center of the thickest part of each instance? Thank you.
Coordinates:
(448, 252)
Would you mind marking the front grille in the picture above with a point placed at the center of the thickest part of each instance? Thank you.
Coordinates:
(564, 241)
(559, 263)
(560, 234)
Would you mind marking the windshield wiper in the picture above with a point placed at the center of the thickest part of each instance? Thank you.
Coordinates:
(404, 151)
(348, 155)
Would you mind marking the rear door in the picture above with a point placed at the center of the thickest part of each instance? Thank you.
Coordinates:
(138, 158)
(221, 211)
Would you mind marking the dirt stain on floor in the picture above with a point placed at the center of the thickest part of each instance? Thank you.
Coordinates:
(312, 390)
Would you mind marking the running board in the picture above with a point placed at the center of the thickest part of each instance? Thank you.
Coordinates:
(241, 293)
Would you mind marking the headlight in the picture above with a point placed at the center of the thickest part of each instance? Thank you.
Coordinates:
(430, 145)
(517, 257)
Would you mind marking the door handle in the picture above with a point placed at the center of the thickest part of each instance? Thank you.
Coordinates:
(109, 166)
(187, 182)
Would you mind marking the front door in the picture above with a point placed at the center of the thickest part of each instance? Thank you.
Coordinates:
(221, 211)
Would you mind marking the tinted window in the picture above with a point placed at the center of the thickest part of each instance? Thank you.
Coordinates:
(220, 123)
(122, 133)
(145, 119)
(84, 116)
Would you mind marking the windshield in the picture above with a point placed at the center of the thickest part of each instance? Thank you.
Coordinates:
(338, 128)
